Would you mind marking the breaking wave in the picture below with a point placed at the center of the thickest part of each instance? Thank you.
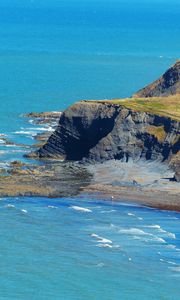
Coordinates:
(81, 209)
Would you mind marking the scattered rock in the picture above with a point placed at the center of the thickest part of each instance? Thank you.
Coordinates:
(50, 180)
(43, 115)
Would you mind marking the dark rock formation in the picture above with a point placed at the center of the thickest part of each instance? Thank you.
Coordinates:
(167, 84)
(99, 131)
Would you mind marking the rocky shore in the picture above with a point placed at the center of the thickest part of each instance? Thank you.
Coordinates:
(120, 149)
(54, 179)
(144, 183)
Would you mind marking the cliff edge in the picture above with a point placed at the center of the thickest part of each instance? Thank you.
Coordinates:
(143, 127)
(104, 130)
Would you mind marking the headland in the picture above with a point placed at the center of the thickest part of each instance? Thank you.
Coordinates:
(121, 149)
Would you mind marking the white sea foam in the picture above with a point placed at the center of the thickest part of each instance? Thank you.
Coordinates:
(52, 206)
(24, 211)
(161, 259)
(149, 238)
(140, 234)
(101, 239)
(32, 133)
(81, 209)
(154, 226)
(171, 246)
(157, 239)
(130, 214)
(35, 128)
(95, 235)
(116, 246)
(133, 215)
(104, 241)
(3, 152)
(12, 151)
(13, 145)
(100, 265)
(50, 129)
(4, 165)
(133, 231)
(107, 211)
(171, 235)
(104, 245)
(38, 129)
(167, 233)
(9, 206)
(171, 262)
(175, 269)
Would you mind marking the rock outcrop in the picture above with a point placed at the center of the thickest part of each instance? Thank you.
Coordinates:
(168, 84)
(129, 129)
(102, 131)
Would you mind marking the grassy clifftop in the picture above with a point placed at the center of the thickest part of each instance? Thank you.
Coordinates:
(162, 106)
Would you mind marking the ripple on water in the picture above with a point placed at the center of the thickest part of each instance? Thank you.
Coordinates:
(81, 209)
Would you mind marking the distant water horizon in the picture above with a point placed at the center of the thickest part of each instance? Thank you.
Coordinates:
(53, 53)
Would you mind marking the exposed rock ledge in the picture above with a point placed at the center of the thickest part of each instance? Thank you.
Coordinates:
(97, 131)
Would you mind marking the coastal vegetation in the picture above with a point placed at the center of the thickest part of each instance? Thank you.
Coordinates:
(162, 106)
(95, 131)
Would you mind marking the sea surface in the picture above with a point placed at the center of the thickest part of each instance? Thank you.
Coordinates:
(53, 53)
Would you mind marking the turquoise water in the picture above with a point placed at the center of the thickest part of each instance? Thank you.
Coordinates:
(53, 53)
(86, 249)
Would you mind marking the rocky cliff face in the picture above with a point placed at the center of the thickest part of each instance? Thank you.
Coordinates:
(167, 84)
(100, 131)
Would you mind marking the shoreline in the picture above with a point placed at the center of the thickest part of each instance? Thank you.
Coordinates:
(148, 183)
(100, 181)
(142, 182)
(122, 195)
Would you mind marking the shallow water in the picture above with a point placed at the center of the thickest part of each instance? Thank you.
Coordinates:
(78, 248)
(51, 56)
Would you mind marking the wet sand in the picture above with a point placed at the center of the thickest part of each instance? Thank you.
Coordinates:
(145, 183)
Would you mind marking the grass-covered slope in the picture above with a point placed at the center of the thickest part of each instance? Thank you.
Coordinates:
(161, 106)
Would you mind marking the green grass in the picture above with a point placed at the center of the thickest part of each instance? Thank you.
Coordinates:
(162, 106)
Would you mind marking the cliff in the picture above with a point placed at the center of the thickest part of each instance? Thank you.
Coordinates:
(167, 84)
(143, 127)
(104, 130)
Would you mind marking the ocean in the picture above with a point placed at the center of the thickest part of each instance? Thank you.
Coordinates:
(53, 53)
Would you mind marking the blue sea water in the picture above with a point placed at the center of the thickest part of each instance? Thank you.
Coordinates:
(53, 53)
(87, 249)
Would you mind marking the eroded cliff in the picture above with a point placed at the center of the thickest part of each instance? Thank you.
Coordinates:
(100, 131)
